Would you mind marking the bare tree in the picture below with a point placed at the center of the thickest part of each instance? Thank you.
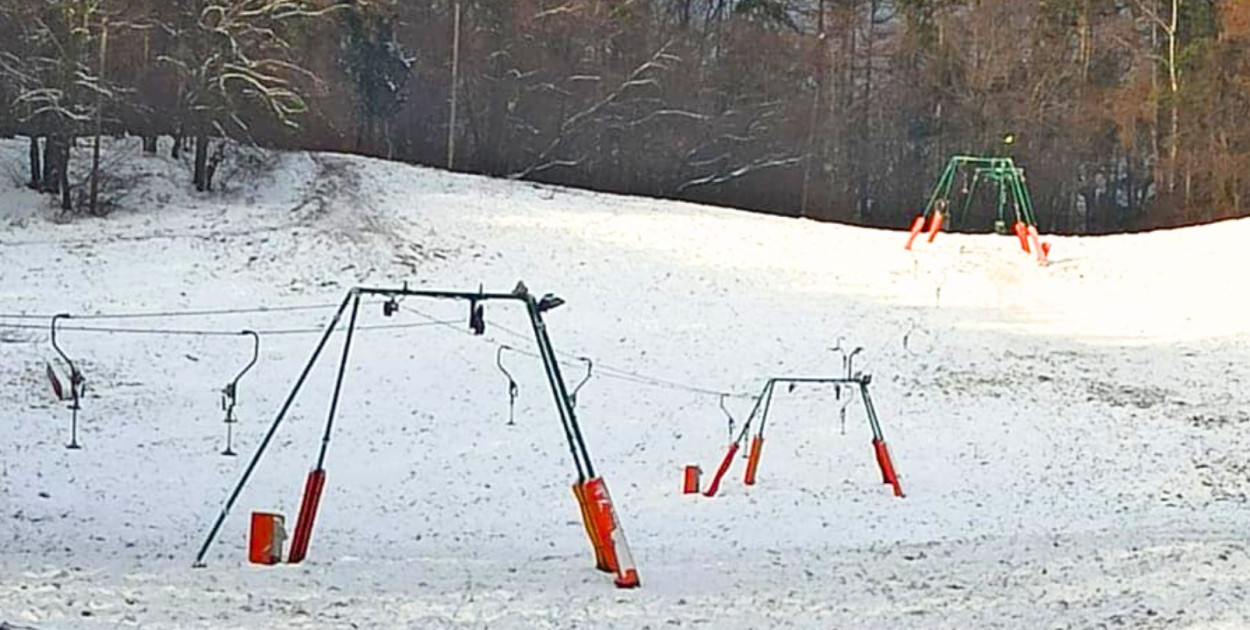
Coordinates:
(1166, 19)
(235, 53)
(643, 77)
(57, 89)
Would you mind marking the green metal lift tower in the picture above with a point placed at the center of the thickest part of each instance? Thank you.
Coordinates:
(1013, 202)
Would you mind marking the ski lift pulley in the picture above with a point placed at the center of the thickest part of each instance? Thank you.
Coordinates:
(513, 390)
(229, 393)
(590, 366)
(477, 316)
(77, 384)
(729, 419)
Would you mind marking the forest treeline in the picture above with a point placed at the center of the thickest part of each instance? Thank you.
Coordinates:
(1126, 114)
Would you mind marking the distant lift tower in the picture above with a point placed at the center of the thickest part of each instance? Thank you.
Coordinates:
(949, 205)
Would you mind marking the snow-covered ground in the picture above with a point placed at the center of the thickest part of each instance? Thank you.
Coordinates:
(1072, 438)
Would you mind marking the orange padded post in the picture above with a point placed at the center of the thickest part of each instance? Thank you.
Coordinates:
(753, 459)
(1037, 246)
(609, 529)
(691, 480)
(917, 226)
(596, 539)
(307, 514)
(720, 472)
(936, 225)
(265, 541)
(1022, 233)
(887, 466)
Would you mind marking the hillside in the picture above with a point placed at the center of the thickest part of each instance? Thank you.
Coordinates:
(1071, 437)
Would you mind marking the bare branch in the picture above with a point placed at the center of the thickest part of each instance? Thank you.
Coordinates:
(754, 166)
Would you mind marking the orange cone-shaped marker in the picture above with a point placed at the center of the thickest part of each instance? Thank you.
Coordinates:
(917, 226)
(936, 225)
(753, 459)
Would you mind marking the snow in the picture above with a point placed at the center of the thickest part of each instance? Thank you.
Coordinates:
(1070, 437)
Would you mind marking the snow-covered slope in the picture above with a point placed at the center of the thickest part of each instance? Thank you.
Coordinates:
(1071, 438)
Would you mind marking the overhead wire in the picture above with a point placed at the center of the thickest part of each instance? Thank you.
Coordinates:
(643, 379)
(182, 313)
(604, 370)
(205, 333)
(572, 359)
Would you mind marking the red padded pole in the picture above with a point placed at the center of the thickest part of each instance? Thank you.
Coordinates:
(307, 514)
(887, 466)
(753, 459)
(602, 561)
(917, 226)
(936, 226)
(607, 528)
(1022, 233)
(1035, 238)
(720, 472)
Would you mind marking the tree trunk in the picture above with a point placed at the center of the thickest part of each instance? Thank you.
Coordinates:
(149, 145)
(1156, 164)
(1131, 194)
(866, 188)
(386, 135)
(94, 196)
(176, 151)
(51, 180)
(201, 163)
(214, 160)
(93, 206)
(35, 169)
(822, 39)
(455, 70)
(63, 173)
(1174, 84)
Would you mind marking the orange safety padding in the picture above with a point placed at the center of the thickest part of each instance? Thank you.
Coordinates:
(596, 540)
(690, 484)
(879, 452)
(307, 514)
(1022, 234)
(720, 472)
(917, 226)
(600, 509)
(1037, 247)
(887, 466)
(753, 459)
(600, 503)
(628, 579)
(265, 541)
(935, 226)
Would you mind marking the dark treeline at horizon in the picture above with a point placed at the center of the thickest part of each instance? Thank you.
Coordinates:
(1126, 114)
